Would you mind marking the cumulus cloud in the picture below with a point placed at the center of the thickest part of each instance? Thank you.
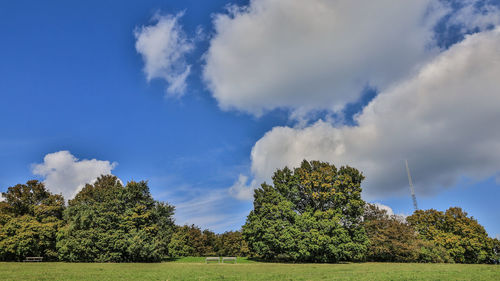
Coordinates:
(317, 54)
(67, 175)
(164, 46)
(444, 120)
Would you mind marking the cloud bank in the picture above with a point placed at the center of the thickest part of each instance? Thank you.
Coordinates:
(444, 120)
(65, 174)
(317, 54)
(164, 46)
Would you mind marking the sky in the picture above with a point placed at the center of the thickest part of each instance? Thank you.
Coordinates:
(206, 99)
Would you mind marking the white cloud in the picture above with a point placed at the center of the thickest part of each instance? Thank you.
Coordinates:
(65, 174)
(317, 54)
(164, 46)
(388, 209)
(445, 120)
(1, 198)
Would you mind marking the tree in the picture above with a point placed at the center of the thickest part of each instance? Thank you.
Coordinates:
(30, 217)
(191, 241)
(464, 239)
(111, 222)
(313, 213)
(232, 243)
(392, 239)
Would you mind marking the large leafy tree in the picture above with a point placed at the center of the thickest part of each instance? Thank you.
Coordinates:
(111, 222)
(312, 213)
(393, 239)
(465, 240)
(30, 217)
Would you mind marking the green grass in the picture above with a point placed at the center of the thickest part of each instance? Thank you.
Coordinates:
(196, 269)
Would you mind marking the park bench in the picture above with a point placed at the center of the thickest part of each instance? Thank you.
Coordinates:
(229, 259)
(207, 259)
(33, 259)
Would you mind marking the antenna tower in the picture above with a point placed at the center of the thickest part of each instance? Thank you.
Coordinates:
(413, 197)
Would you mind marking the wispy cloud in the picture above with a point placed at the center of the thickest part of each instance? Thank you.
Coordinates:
(164, 46)
(213, 209)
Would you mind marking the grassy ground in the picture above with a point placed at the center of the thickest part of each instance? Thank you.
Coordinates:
(196, 269)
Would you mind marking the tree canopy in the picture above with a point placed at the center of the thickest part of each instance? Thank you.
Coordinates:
(465, 240)
(393, 239)
(107, 221)
(312, 213)
(30, 218)
(192, 241)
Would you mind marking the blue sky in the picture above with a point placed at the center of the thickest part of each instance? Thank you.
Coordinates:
(269, 83)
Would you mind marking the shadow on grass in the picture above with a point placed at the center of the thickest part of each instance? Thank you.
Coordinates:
(170, 259)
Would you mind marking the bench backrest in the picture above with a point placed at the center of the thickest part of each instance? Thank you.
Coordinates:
(229, 259)
(34, 259)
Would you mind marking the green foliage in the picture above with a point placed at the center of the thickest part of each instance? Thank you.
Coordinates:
(189, 241)
(464, 239)
(430, 252)
(313, 213)
(233, 244)
(29, 220)
(392, 239)
(107, 222)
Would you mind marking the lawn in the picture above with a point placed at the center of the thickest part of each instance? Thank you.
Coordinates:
(196, 269)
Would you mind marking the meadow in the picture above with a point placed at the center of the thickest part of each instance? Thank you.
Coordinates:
(196, 269)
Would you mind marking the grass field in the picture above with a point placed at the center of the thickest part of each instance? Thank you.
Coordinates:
(196, 269)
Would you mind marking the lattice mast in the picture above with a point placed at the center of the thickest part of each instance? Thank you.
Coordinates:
(413, 197)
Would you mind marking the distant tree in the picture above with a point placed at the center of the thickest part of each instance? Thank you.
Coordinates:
(30, 217)
(232, 243)
(465, 240)
(392, 239)
(209, 243)
(313, 213)
(109, 222)
(191, 241)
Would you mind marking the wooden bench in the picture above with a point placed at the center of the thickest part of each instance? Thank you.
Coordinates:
(33, 259)
(207, 259)
(229, 259)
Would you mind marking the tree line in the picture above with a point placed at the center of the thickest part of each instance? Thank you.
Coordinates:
(312, 213)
